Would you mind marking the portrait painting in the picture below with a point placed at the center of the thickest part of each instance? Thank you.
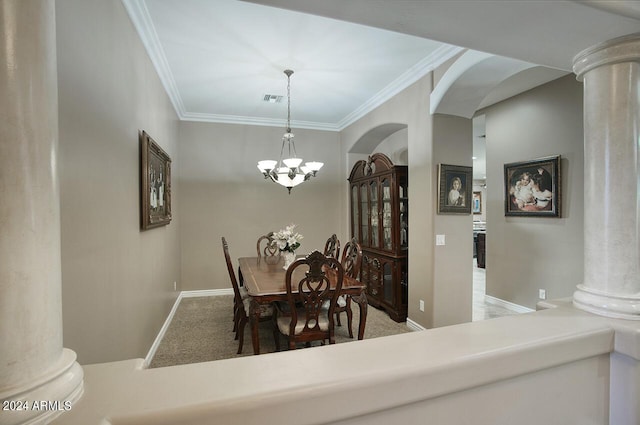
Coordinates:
(155, 187)
(454, 189)
(532, 188)
(476, 206)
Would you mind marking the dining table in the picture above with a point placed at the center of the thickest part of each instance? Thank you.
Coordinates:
(264, 280)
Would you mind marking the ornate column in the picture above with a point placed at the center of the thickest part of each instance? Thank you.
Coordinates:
(34, 367)
(611, 75)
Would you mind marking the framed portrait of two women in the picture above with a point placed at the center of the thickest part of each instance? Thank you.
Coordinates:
(455, 186)
(155, 184)
(532, 188)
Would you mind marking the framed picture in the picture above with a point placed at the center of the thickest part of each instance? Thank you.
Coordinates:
(532, 188)
(455, 187)
(155, 190)
(476, 203)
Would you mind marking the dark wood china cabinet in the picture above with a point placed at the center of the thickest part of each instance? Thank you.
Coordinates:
(380, 222)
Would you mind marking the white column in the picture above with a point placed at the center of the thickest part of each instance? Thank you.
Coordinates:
(611, 75)
(34, 367)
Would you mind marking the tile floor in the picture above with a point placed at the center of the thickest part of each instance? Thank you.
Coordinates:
(481, 309)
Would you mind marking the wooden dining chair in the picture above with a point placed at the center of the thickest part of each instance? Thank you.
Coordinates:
(332, 247)
(266, 249)
(351, 263)
(311, 301)
(241, 305)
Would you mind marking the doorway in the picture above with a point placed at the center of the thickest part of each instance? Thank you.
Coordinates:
(479, 211)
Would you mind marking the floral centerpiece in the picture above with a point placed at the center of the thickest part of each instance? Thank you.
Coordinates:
(287, 240)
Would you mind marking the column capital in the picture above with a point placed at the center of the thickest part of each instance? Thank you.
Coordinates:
(617, 50)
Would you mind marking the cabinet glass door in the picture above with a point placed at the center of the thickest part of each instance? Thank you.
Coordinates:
(386, 214)
(364, 210)
(403, 196)
(355, 215)
(387, 282)
(373, 206)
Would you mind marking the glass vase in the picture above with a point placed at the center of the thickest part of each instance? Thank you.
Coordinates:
(289, 257)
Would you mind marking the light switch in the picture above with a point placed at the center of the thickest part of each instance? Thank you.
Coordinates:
(439, 239)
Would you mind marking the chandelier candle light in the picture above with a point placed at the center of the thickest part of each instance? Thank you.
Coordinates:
(288, 172)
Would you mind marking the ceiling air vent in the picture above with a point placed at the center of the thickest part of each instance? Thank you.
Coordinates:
(272, 98)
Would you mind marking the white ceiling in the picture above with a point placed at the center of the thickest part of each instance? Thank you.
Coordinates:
(218, 58)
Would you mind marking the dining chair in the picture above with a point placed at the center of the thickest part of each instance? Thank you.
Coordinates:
(332, 247)
(241, 305)
(311, 301)
(265, 248)
(351, 263)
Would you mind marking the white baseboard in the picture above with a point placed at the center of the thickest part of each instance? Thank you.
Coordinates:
(414, 326)
(167, 322)
(207, 293)
(507, 304)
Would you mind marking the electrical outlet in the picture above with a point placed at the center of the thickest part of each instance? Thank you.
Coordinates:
(421, 305)
(175, 286)
(439, 239)
(542, 294)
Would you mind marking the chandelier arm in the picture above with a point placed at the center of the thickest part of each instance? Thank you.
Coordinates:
(292, 173)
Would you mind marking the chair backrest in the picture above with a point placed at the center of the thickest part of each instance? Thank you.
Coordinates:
(332, 247)
(352, 258)
(232, 273)
(266, 248)
(312, 292)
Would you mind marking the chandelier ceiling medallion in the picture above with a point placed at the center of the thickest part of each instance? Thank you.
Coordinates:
(288, 172)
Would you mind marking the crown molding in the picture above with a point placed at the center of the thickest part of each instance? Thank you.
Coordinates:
(269, 122)
(410, 76)
(141, 19)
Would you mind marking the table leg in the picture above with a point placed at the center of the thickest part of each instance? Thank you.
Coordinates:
(254, 317)
(361, 299)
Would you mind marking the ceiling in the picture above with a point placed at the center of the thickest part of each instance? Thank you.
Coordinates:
(217, 59)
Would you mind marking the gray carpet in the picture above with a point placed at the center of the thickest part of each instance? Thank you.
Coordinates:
(201, 331)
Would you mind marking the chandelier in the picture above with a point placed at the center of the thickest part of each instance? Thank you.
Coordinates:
(288, 172)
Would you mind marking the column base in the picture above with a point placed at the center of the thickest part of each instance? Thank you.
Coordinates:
(607, 305)
(54, 393)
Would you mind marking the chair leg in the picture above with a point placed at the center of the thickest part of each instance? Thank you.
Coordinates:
(235, 318)
(338, 318)
(238, 319)
(349, 317)
(276, 330)
(240, 335)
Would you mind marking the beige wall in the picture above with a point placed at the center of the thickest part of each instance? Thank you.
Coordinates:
(409, 107)
(525, 254)
(117, 281)
(453, 274)
(224, 194)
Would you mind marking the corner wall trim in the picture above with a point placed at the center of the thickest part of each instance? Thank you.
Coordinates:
(167, 322)
(414, 326)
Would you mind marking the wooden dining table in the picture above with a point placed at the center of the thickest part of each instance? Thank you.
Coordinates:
(265, 283)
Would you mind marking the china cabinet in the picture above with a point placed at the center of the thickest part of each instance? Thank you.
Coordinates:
(380, 222)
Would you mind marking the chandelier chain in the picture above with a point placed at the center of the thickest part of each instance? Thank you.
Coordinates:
(289, 172)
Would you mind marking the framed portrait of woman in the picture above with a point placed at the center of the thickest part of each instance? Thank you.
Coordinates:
(532, 188)
(454, 189)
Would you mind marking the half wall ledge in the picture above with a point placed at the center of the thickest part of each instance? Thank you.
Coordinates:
(551, 363)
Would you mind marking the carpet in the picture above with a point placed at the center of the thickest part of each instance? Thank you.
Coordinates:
(202, 331)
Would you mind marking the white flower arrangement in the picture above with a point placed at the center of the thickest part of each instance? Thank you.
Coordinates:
(286, 239)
